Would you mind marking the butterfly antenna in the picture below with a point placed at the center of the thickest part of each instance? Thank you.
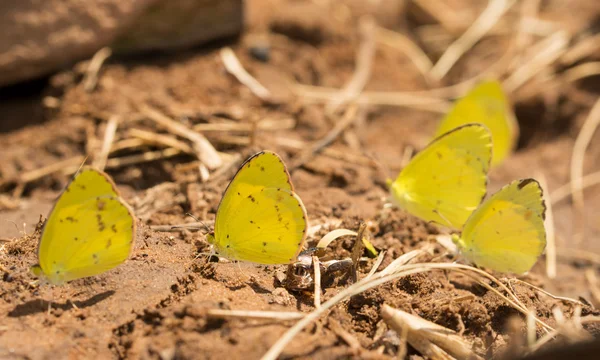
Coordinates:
(200, 221)
(444, 218)
(81, 166)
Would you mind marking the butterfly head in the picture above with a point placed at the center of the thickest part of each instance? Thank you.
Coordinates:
(458, 241)
(56, 278)
(210, 237)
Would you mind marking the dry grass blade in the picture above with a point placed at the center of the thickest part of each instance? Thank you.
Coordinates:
(422, 334)
(405, 99)
(109, 137)
(544, 53)
(357, 250)
(36, 174)
(587, 46)
(364, 64)
(266, 124)
(444, 14)
(376, 280)
(337, 328)
(488, 18)
(579, 255)
(565, 191)
(376, 265)
(141, 158)
(529, 10)
(153, 138)
(250, 314)
(235, 68)
(318, 290)
(332, 235)
(566, 328)
(582, 71)
(408, 47)
(90, 78)
(202, 147)
(555, 297)
(347, 119)
(581, 143)
(592, 280)
(549, 224)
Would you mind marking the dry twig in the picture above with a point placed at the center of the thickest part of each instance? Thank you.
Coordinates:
(235, 68)
(202, 147)
(318, 290)
(581, 143)
(362, 73)
(408, 47)
(430, 339)
(488, 18)
(109, 137)
(90, 78)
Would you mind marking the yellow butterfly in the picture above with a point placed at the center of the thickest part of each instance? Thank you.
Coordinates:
(486, 104)
(506, 233)
(260, 218)
(89, 231)
(447, 180)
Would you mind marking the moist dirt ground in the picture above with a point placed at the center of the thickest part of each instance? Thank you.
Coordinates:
(156, 305)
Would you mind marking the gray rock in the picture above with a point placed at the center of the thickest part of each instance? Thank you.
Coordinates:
(38, 37)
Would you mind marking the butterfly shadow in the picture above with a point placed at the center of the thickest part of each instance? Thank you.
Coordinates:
(40, 306)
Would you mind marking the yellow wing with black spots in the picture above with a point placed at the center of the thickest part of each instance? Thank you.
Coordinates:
(90, 230)
(506, 233)
(447, 180)
(486, 104)
(260, 218)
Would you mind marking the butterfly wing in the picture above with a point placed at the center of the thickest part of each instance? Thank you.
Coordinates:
(486, 104)
(260, 218)
(268, 227)
(89, 231)
(506, 233)
(446, 181)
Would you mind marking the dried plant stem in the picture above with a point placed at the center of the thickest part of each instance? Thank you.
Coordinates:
(377, 280)
(408, 47)
(416, 101)
(235, 68)
(266, 124)
(362, 73)
(337, 328)
(109, 137)
(430, 339)
(142, 158)
(36, 174)
(565, 191)
(582, 71)
(318, 291)
(347, 119)
(555, 297)
(90, 78)
(254, 314)
(202, 147)
(544, 53)
(529, 10)
(488, 18)
(592, 280)
(153, 138)
(587, 46)
(580, 255)
(445, 15)
(581, 143)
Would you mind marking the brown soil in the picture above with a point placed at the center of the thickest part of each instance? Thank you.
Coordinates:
(155, 305)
